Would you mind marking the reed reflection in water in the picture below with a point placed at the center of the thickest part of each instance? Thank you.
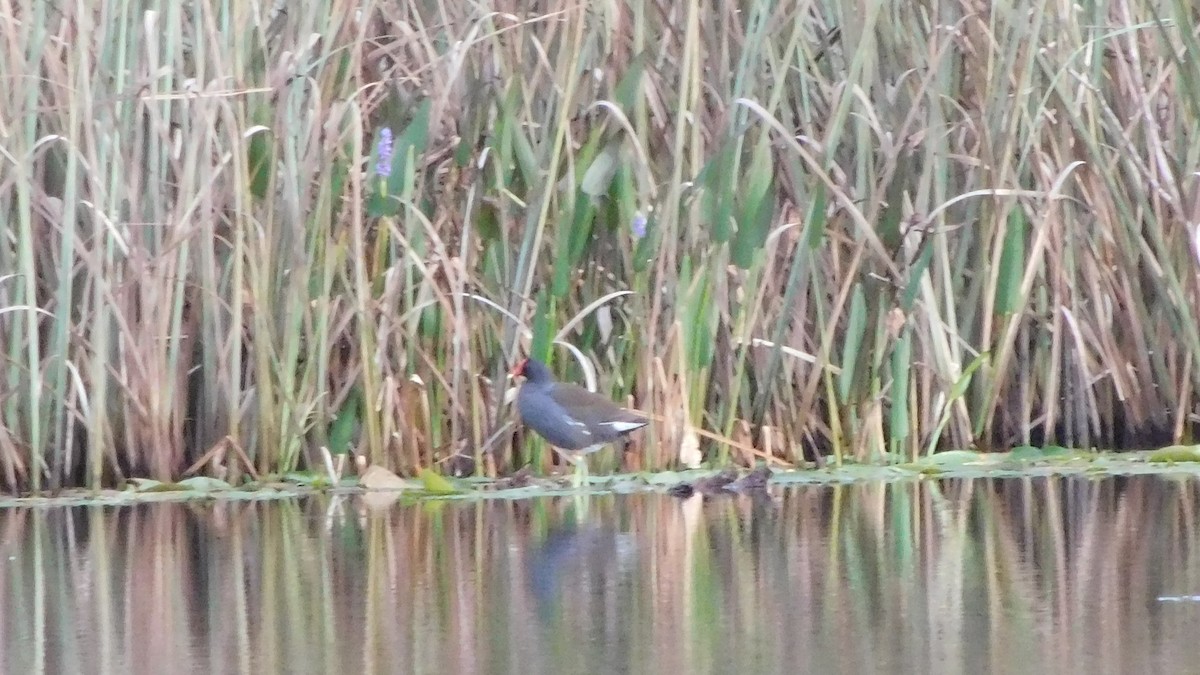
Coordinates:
(1031, 575)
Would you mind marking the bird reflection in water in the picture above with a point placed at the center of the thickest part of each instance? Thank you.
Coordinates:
(579, 554)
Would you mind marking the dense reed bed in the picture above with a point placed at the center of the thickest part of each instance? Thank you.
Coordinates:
(235, 235)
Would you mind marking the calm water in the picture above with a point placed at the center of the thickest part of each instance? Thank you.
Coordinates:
(1013, 576)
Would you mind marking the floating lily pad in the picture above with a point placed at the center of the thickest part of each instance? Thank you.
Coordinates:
(204, 484)
(311, 478)
(940, 462)
(1026, 453)
(1175, 463)
(198, 484)
(957, 457)
(144, 484)
(1175, 453)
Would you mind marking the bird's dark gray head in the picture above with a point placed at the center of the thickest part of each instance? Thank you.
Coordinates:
(533, 370)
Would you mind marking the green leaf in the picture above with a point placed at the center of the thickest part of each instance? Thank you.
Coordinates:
(487, 224)
(717, 179)
(888, 227)
(570, 243)
(1175, 453)
(380, 203)
(260, 160)
(542, 328)
(697, 317)
(817, 217)
(1012, 262)
(410, 147)
(901, 362)
(337, 184)
(436, 483)
(598, 177)
(629, 90)
(856, 330)
(515, 147)
(758, 208)
(956, 392)
(960, 387)
(913, 286)
(346, 423)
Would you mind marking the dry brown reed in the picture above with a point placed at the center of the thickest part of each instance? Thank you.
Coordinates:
(869, 229)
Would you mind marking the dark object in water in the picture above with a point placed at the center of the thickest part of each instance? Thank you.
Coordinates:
(682, 490)
(755, 480)
(724, 482)
(715, 483)
(522, 478)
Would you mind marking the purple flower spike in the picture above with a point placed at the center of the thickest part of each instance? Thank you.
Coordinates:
(639, 225)
(383, 167)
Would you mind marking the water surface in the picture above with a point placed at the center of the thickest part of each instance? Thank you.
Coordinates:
(954, 576)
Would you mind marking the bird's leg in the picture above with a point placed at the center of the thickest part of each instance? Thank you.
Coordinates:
(580, 462)
(577, 463)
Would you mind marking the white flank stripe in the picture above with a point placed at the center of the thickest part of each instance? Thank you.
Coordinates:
(624, 426)
(583, 427)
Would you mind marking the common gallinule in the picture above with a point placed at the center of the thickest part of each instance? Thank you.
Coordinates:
(572, 419)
